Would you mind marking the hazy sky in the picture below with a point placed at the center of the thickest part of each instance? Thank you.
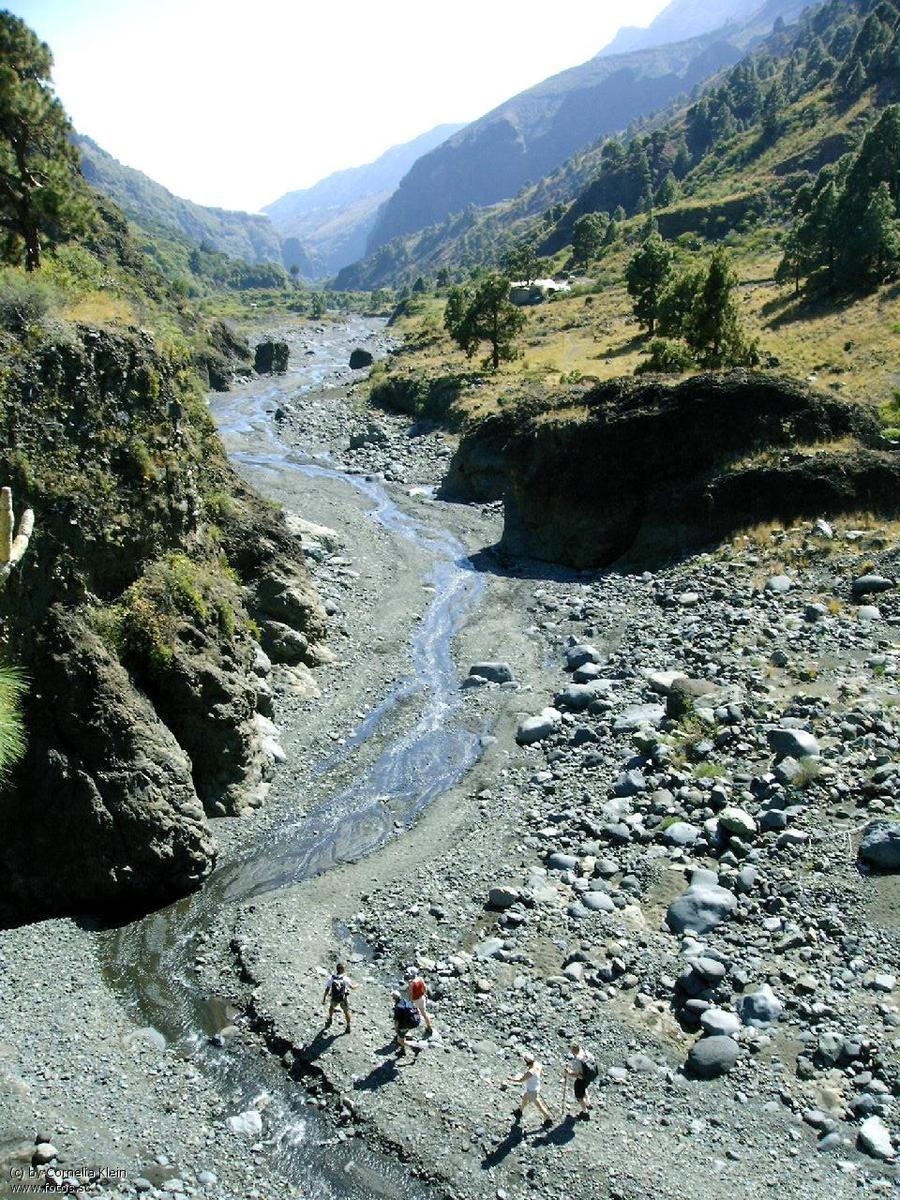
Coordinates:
(234, 104)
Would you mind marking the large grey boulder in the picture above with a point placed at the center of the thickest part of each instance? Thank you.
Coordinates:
(880, 845)
(761, 1008)
(871, 585)
(271, 358)
(874, 1138)
(540, 727)
(702, 907)
(579, 695)
(493, 672)
(583, 652)
(713, 1056)
(792, 743)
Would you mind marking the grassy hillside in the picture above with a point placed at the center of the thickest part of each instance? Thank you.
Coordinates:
(740, 190)
(728, 178)
(240, 235)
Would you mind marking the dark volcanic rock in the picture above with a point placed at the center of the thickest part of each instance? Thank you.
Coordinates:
(656, 468)
(880, 846)
(104, 811)
(271, 358)
(360, 358)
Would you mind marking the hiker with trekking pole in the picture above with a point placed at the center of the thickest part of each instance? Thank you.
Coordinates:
(580, 1066)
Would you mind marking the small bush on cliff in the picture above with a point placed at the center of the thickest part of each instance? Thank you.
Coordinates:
(12, 726)
(143, 626)
(666, 358)
(24, 300)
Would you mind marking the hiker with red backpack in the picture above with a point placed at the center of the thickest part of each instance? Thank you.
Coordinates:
(337, 994)
(417, 991)
(406, 1019)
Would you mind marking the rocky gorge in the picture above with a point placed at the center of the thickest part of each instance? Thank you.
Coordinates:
(668, 828)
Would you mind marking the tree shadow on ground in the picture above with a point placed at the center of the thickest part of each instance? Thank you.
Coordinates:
(625, 348)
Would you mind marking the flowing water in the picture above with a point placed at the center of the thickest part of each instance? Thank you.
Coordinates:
(151, 961)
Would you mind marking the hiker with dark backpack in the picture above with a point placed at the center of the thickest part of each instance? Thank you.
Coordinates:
(406, 1019)
(417, 991)
(582, 1067)
(337, 994)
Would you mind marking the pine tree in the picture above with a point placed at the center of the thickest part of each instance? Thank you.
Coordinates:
(668, 191)
(874, 247)
(588, 234)
(714, 330)
(40, 193)
(485, 315)
(647, 274)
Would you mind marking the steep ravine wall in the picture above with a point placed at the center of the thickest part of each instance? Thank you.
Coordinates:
(644, 470)
(152, 575)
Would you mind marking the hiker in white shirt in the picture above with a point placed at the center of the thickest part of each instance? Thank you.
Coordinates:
(531, 1093)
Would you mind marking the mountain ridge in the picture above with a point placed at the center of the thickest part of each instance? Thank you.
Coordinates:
(532, 133)
(332, 218)
(248, 236)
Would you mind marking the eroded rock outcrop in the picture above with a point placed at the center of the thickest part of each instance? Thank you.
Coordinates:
(133, 617)
(647, 469)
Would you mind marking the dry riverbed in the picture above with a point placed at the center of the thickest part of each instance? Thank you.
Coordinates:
(537, 893)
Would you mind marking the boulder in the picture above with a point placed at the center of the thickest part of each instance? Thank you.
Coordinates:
(360, 358)
(493, 672)
(684, 693)
(503, 897)
(271, 358)
(718, 1022)
(637, 716)
(578, 655)
(792, 743)
(246, 1124)
(880, 845)
(713, 1056)
(871, 585)
(539, 727)
(737, 821)
(578, 696)
(874, 1138)
(680, 833)
(759, 1009)
(702, 907)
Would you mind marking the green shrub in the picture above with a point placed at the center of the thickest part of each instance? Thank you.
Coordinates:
(24, 299)
(666, 358)
(12, 726)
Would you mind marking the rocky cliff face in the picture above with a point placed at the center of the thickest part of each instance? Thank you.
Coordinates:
(650, 469)
(152, 573)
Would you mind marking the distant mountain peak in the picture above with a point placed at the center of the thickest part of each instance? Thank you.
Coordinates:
(679, 20)
(333, 217)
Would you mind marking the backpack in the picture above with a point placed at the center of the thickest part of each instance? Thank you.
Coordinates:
(406, 1014)
(339, 989)
(589, 1068)
(417, 988)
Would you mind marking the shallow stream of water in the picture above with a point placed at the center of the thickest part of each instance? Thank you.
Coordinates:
(151, 961)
